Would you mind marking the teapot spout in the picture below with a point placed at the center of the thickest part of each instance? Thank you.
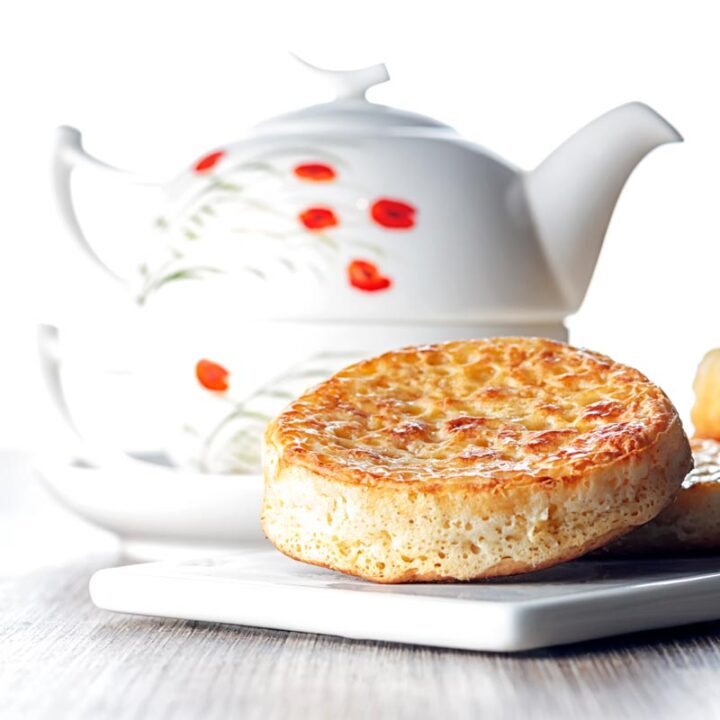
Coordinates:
(572, 194)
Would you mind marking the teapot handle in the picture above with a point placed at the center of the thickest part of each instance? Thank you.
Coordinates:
(68, 155)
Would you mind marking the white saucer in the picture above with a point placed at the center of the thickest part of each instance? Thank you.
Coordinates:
(158, 511)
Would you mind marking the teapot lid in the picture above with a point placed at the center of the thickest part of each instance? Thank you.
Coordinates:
(350, 110)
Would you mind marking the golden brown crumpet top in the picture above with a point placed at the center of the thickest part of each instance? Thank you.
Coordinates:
(477, 413)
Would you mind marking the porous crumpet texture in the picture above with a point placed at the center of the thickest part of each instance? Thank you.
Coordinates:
(469, 459)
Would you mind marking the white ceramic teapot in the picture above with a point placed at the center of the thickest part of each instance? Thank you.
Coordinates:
(348, 228)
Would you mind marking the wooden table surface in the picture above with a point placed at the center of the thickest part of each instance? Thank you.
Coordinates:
(62, 658)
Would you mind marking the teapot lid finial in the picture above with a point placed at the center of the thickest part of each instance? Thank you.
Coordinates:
(349, 111)
(349, 84)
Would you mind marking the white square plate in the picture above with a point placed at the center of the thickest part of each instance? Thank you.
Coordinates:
(580, 600)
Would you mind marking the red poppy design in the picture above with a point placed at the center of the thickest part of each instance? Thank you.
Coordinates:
(212, 376)
(393, 213)
(365, 275)
(318, 218)
(315, 172)
(209, 161)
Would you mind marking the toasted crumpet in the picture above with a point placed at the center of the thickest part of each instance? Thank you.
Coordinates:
(469, 459)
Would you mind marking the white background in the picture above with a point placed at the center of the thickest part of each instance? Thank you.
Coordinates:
(154, 84)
